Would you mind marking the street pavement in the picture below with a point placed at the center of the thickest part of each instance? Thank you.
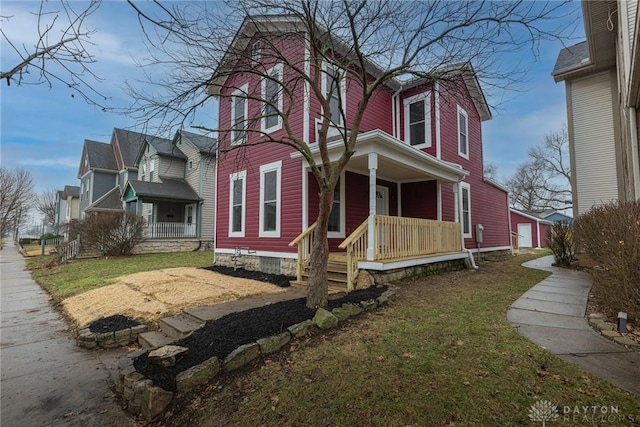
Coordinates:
(551, 314)
(47, 380)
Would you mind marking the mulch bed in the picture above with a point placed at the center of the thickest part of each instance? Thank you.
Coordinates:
(277, 279)
(113, 323)
(220, 337)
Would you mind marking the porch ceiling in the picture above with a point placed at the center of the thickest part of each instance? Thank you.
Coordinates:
(397, 161)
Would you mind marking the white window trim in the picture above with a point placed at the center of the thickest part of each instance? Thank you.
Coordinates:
(152, 169)
(276, 73)
(256, 53)
(241, 92)
(270, 167)
(340, 234)
(343, 91)
(464, 113)
(242, 176)
(143, 170)
(426, 97)
(465, 186)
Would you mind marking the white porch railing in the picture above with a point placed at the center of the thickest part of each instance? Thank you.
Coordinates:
(169, 230)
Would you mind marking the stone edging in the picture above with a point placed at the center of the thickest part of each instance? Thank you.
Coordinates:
(142, 397)
(91, 340)
(609, 330)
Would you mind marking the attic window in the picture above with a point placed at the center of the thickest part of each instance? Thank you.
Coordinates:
(255, 53)
(190, 164)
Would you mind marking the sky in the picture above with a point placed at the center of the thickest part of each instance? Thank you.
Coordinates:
(43, 129)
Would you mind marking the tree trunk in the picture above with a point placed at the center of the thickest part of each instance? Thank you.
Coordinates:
(317, 290)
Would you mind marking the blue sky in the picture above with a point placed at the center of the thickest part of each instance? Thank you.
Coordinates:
(43, 129)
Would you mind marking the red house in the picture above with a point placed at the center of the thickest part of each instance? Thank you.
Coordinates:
(412, 194)
(532, 230)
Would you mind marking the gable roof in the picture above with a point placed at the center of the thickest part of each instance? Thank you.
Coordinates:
(168, 189)
(204, 144)
(99, 155)
(571, 58)
(109, 202)
(72, 191)
(270, 23)
(164, 147)
(131, 143)
(530, 215)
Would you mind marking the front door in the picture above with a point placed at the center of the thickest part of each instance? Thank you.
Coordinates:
(525, 239)
(382, 200)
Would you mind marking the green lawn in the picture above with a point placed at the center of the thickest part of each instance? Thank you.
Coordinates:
(79, 276)
(441, 354)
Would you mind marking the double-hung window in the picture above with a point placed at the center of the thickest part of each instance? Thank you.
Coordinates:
(417, 122)
(272, 96)
(239, 112)
(237, 203)
(256, 49)
(333, 89)
(337, 214)
(270, 179)
(152, 167)
(463, 133)
(465, 198)
(144, 170)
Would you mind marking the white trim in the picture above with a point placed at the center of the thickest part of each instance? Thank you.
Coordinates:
(238, 176)
(399, 198)
(240, 93)
(439, 200)
(531, 217)
(256, 53)
(385, 266)
(342, 94)
(276, 74)
(305, 197)
(461, 111)
(340, 234)
(465, 186)
(436, 89)
(426, 98)
(287, 255)
(307, 90)
(277, 168)
(493, 249)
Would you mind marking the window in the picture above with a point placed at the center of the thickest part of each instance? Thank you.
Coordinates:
(336, 216)
(255, 54)
(466, 210)
(86, 188)
(463, 133)
(190, 164)
(272, 94)
(152, 166)
(82, 190)
(417, 126)
(270, 199)
(144, 170)
(239, 112)
(333, 88)
(237, 204)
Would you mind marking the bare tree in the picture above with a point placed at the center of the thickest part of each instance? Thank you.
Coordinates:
(544, 182)
(15, 193)
(59, 53)
(490, 171)
(46, 203)
(367, 45)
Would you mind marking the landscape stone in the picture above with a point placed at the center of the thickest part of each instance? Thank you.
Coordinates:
(610, 334)
(596, 321)
(340, 313)
(166, 356)
(369, 304)
(382, 300)
(135, 330)
(353, 309)
(596, 316)
(626, 341)
(365, 280)
(324, 319)
(105, 337)
(197, 375)
(123, 333)
(138, 390)
(274, 343)
(88, 344)
(605, 326)
(154, 401)
(131, 378)
(241, 356)
(301, 329)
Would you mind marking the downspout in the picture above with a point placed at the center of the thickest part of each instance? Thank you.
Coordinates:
(472, 261)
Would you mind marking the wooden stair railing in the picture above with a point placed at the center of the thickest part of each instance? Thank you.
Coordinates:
(356, 246)
(305, 243)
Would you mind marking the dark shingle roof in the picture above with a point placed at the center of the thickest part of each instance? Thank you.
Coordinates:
(110, 201)
(71, 191)
(205, 144)
(571, 57)
(165, 147)
(131, 143)
(174, 189)
(100, 155)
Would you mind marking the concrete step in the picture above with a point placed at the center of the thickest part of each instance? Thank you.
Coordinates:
(178, 326)
(154, 339)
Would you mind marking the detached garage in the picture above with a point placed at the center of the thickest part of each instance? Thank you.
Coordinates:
(532, 230)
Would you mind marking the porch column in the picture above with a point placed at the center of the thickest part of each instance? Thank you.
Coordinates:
(373, 166)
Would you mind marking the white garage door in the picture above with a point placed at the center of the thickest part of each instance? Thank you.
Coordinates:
(524, 236)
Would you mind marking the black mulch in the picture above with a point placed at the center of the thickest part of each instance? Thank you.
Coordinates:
(220, 337)
(276, 279)
(113, 323)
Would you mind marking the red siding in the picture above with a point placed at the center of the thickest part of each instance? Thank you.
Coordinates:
(536, 241)
(420, 200)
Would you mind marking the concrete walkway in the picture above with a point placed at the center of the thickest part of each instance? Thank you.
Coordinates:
(46, 379)
(551, 314)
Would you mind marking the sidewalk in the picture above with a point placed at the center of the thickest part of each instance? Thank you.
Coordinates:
(551, 314)
(46, 378)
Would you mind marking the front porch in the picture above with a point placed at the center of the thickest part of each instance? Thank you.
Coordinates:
(397, 242)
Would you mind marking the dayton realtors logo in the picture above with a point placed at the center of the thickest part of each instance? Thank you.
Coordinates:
(544, 411)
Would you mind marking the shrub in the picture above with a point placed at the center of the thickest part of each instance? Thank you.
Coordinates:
(561, 243)
(110, 233)
(610, 235)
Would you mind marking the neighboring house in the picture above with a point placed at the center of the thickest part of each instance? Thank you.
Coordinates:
(98, 174)
(417, 169)
(67, 207)
(602, 79)
(174, 190)
(532, 231)
(555, 216)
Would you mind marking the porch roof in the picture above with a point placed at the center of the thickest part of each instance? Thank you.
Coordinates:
(109, 202)
(397, 161)
(168, 189)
